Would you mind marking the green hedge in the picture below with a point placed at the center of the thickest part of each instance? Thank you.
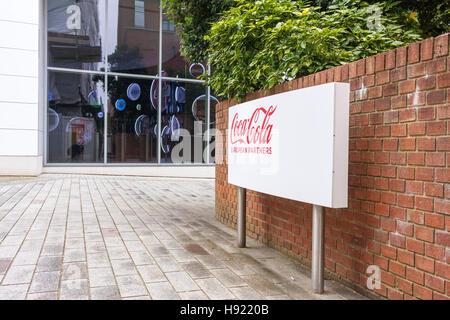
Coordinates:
(258, 44)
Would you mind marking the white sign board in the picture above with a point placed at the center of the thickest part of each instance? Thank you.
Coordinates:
(293, 145)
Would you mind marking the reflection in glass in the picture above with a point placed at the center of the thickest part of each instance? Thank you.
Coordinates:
(178, 102)
(132, 121)
(133, 36)
(173, 62)
(75, 117)
(76, 31)
(199, 107)
(84, 35)
(139, 13)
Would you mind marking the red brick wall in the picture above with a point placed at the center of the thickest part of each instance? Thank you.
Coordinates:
(399, 210)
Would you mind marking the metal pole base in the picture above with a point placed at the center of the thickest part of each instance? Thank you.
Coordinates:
(318, 227)
(241, 221)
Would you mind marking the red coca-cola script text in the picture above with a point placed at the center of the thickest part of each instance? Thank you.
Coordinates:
(254, 130)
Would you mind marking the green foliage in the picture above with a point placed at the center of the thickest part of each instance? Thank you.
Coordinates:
(440, 20)
(258, 44)
(433, 16)
(193, 19)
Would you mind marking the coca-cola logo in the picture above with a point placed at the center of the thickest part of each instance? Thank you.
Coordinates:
(254, 130)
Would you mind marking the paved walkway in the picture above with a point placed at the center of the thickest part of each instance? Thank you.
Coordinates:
(90, 237)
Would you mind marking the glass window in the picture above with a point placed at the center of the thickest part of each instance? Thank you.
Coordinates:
(168, 25)
(130, 49)
(132, 120)
(75, 117)
(211, 136)
(183, 122)
(173, 62)
(139, 14)
(76, 32)
(90, 119)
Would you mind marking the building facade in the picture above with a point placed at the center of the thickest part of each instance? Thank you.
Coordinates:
(100, 86)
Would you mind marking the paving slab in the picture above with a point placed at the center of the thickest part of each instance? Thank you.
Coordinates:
(162, 291)
(24, 258)
(98, 260)
(13, 292)
(74, 290)
(228, 278)
(43, 296)
(182, 255)
(4, 264)
(131, 286)
(74, 255)
(263, 286)
(74, 271)
(101, 277)
(151, 273)
(196, 270)
(138, 298)
(168, 264)
(141, 258)
(214, 289)
(8, 251)
(49, 263)
(132, 238)
(246, 293)
(19, 275)
(123, 267)
(181, 281)
(193, 295)
(45, 282)
(210, 262)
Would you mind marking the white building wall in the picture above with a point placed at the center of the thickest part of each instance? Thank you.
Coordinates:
(21, 128)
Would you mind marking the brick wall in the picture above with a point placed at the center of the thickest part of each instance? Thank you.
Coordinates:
(399, 210)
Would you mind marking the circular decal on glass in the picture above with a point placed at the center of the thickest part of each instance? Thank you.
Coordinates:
(174, 127)
(121, 104)
(100, 115)
(199, 108)
(138, 125)
(143, 125)
(165, 98)
(154, 94)
(165, 139)
(134, 91)
(138, 107)
(53, 120)
(180, 95)
(197, 69)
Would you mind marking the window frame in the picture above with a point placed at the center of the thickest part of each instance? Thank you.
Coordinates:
(105, 74)
(139, 13)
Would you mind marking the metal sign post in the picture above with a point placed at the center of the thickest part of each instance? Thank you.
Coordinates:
(241, 220)
(318, 227)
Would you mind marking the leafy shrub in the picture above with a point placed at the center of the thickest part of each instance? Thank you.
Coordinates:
(258, 44)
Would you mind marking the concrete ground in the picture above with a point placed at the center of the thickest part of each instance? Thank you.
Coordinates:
(105, 237)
